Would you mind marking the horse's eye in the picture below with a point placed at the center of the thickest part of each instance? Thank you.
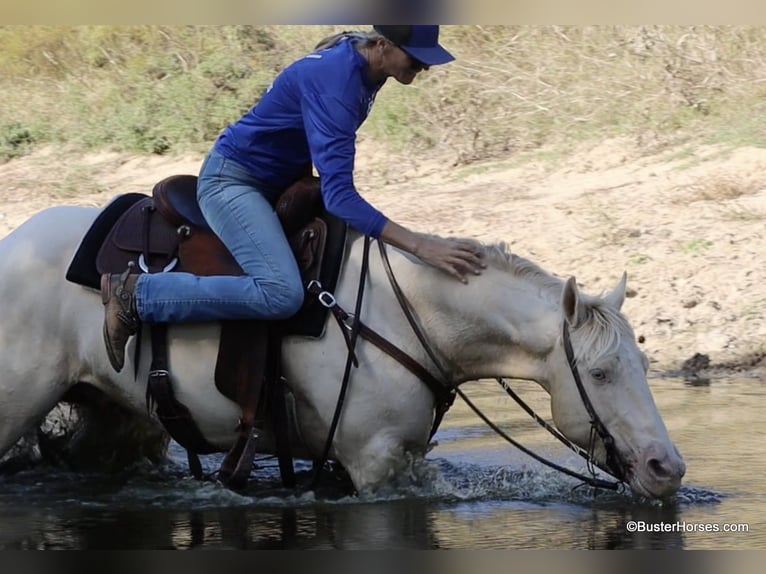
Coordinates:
(598, 375)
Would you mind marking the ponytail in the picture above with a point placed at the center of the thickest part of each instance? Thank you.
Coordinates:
(366, 37)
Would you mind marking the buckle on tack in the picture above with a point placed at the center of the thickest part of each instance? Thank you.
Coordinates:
(326, 298)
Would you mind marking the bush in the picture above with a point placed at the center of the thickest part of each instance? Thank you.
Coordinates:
(15, 139)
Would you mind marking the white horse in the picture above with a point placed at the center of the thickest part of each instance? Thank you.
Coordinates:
(505, 323)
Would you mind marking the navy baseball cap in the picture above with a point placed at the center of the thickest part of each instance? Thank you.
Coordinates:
(420, 42)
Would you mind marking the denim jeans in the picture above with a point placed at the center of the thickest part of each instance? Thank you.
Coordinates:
(239, 210)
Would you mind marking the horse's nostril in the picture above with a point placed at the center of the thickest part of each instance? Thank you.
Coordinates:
(657, 468)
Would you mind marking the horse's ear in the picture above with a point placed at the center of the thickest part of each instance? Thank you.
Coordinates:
(616, 297)
(572, 304)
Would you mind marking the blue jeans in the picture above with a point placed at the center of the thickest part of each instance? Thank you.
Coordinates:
(239, 210)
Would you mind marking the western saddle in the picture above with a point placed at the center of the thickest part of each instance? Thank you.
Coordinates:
(167, 232)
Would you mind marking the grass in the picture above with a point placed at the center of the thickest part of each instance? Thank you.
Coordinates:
(684, 155)
(512, 90)
(15, 140)
(639, 259)
(696, 246)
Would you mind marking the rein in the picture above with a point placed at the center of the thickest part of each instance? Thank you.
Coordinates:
(444, 391)
(587, 455)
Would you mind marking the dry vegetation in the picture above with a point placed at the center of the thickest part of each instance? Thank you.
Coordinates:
(162, 89)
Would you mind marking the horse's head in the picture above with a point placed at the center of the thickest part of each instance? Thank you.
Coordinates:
(509, 322)
(613, 374)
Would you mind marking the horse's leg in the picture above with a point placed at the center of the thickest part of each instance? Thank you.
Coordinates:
(33, 368)
(102, 434)
(27, 396)
(378, 464)
(375, 449)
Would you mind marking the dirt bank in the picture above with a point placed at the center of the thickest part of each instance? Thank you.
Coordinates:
(686, 224)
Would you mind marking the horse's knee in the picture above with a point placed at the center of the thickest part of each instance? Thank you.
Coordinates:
(377, 465)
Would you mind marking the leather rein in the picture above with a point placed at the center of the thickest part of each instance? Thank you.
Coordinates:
(444, 391)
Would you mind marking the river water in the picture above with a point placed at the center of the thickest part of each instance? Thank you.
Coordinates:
(474, 492)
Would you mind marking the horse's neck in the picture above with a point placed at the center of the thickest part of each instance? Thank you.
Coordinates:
(499, 324)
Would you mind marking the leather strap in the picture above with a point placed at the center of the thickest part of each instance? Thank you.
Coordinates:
(613, 459)
(442, 394)
(242, 360)
(174, 416)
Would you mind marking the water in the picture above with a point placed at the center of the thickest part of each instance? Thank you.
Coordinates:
(473, 492)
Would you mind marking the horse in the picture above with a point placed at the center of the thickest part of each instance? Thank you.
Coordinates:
(506, 322)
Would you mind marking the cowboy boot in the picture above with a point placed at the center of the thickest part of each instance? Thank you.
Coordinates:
(121, 317)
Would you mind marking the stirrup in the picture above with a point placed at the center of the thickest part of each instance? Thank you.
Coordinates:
(238, 462)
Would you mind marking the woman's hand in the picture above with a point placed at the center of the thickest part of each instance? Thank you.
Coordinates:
(456, 257)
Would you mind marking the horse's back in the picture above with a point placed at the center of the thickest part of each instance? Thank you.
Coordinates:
(50, 236)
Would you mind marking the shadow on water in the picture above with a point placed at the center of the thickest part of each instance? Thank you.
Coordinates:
(393, 525)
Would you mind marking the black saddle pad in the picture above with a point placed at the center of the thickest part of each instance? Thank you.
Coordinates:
(82, 270)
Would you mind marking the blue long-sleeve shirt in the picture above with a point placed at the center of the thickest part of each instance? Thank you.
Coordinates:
(311, 113)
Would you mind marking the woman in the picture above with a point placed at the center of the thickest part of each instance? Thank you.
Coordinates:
(310, 114)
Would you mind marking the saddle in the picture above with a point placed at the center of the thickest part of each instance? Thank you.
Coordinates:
(166, 232)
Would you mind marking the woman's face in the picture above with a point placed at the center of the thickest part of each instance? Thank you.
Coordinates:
(400, 65)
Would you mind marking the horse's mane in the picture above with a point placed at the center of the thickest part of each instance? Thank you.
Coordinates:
(500, 255)
(598, 335)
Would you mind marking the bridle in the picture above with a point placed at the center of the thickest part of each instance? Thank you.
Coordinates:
(614, 461)
(444, 391)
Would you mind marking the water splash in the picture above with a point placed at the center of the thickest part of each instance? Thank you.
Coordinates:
(431, 480)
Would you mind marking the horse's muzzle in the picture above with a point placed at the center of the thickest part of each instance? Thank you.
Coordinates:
(660, 471)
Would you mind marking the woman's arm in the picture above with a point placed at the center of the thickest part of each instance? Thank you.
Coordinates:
(453, 256)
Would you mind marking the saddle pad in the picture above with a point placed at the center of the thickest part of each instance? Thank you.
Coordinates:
(82, 270)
